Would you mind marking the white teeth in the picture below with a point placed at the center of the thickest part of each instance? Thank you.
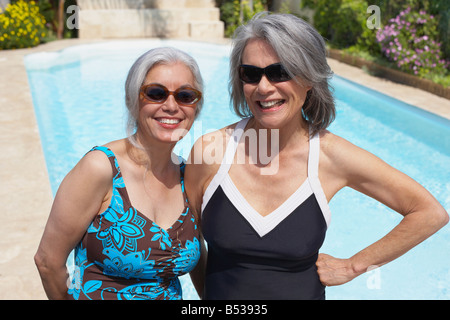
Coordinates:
(269, 104)
(169, 121)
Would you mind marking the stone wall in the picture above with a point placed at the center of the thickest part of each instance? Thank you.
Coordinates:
(198, 19)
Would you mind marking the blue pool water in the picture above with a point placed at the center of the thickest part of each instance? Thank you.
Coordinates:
(78, 95)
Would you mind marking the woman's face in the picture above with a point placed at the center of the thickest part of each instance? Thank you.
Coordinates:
(273, 104)
(167, 121)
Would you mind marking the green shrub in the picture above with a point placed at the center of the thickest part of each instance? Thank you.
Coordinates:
(22, 25)
(340, 22)
(233, 15)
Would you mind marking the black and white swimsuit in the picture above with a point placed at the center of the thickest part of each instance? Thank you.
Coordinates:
(251, 256)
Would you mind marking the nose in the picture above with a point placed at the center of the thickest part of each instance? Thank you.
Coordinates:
(264, 86)
(170, 105)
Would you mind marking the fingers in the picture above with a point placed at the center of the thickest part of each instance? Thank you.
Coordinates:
(322, 268)
(333, 271)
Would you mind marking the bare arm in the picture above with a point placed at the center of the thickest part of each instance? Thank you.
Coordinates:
(77, 201)
(199, 172)
(364, 172)
(195, 179)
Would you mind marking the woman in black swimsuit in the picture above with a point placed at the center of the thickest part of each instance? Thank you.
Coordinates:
(265, 221)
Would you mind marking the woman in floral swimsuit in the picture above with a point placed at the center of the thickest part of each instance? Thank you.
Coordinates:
(123, 208)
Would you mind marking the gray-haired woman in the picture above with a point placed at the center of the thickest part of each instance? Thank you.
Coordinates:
(264, 228)
(123, 207)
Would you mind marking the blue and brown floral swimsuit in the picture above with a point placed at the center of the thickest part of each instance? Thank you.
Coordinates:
(125, 255)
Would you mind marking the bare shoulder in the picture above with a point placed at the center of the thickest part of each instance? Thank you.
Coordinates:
(80, 197)
(204, 162)
(332, 150)
(85, 187)
(217, 138)
(342, 162)
(209, 149)
(340, 151)
(332, 144)
(95, 167)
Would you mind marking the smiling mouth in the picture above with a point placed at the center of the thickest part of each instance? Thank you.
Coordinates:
(270, 104)
(168, 121)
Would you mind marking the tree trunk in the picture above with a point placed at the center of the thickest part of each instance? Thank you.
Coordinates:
(60, 30)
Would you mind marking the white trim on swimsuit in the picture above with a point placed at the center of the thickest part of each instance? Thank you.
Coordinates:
(264, 224)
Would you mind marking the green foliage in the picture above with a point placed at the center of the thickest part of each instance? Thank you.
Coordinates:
(424, 51)
(340, 21)
(22, 25)
(237, 12)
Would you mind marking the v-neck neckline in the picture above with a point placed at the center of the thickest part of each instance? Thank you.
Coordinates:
(183, 213)
(126, 196)
(264, 224)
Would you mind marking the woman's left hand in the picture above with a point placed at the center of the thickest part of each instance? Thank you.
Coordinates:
(333, 271)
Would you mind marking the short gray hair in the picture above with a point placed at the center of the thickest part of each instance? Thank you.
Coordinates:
(140, 69)
(302, 52)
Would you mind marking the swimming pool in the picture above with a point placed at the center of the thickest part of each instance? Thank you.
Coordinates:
(78, 95)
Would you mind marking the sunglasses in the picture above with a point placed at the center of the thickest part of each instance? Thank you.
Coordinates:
(156, 93)
(275, 73)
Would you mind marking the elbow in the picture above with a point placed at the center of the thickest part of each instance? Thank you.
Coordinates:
(39, 261)
(431, 218)
(42, 265)
(444, 218)
(439, 218)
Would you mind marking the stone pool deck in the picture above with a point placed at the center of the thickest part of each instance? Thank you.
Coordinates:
(25, 189)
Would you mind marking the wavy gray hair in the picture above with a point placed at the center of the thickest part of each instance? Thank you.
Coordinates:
(302, 52)
(139, 70)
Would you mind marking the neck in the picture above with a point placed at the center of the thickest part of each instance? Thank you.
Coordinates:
(293, 133)
(155, 157)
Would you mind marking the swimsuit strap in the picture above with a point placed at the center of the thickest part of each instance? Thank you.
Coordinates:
(313, 176)
(107, 151)
(313, 156)
(227, 161)
(118, 183)
(232, 145)
(114, 164)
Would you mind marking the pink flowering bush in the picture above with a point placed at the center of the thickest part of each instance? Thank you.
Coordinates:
(409, 40)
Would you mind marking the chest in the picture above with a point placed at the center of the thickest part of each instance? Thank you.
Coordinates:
(160, 200)
(125, 242)
(265, 193)
(159, 204)
(299, 234)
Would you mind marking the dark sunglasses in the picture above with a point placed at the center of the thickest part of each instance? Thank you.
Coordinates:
(156, 93)
(275, 73)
